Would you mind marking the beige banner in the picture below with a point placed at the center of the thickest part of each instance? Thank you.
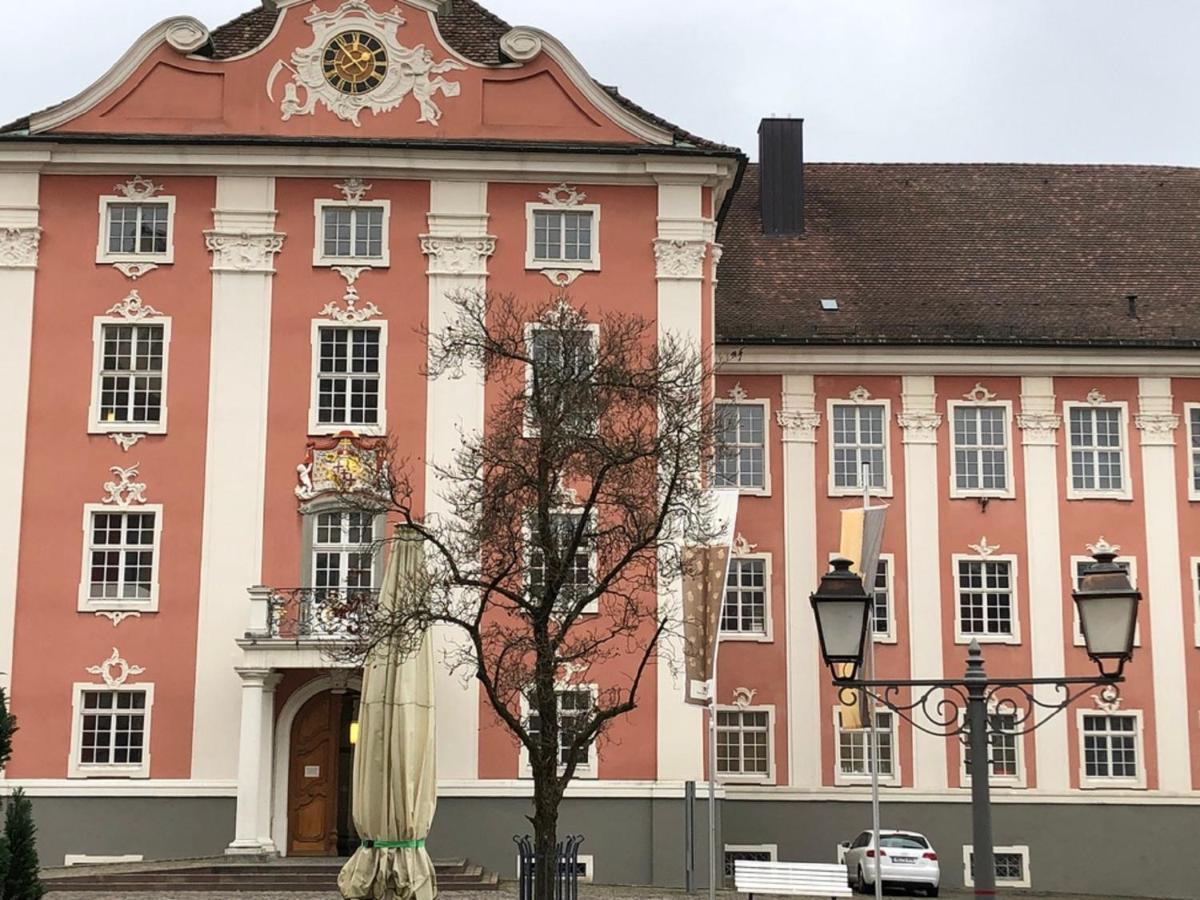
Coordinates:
(705, 571)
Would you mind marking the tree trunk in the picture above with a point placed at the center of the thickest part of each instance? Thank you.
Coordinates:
(545, 835)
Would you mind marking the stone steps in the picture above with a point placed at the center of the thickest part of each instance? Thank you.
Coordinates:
(282, 876)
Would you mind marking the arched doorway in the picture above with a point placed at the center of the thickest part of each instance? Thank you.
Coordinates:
(319, 776)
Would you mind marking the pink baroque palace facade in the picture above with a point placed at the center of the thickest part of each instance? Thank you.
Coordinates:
(217, 259)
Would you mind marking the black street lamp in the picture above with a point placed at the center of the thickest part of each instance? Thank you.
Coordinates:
(1107, 605)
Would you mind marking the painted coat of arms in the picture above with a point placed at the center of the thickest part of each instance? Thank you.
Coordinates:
(356, 62)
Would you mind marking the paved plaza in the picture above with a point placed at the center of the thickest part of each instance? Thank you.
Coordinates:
(507, 891)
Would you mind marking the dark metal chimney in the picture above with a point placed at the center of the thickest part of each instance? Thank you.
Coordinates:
(781, 175)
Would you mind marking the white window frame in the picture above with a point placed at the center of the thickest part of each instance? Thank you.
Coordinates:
(95, 424)
(86, 603)
(528, 429)
(835, 490)
(771, 849)
(593, 607)
(343, 550)
(317, 428)
(1193, 453)
(1074, 493)
(889, 636)
(846, 778)
(767, 635)
(765, 403)
(589, 771)
(752, 777)
(1010, 489)
(76, 769)
(1014, 573)
(382, 261)
(1076, 628)
(1016, 849)
(160, 259)
(1015, 781)
(1092, 782)
(1194, 563)
(532, 263)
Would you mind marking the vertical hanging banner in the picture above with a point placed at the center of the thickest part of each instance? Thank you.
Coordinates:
(861, 543)
(706, 570)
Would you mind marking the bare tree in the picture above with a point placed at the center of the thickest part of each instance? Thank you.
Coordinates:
(560, 526)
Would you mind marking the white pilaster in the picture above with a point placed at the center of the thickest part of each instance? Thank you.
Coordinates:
(1157, 423)
(798, 420)
(1039, 423)
(921, 421)
(266, 753)
(243, 243)
(19, 238)
(458, 247)
(679, 250)
(252, 822)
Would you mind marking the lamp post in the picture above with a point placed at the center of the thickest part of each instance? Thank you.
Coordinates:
(1107, 605)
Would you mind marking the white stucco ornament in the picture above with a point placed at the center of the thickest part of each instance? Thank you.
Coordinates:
(409, 70)
(115, 669)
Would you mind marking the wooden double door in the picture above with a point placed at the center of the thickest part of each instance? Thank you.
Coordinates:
(320, 777)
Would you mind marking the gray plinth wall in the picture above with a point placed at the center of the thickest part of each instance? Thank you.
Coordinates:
(1101, 848)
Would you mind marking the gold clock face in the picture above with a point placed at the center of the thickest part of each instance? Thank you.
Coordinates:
(355, 62)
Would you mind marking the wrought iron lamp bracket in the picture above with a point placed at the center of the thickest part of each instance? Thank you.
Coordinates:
(938, 707)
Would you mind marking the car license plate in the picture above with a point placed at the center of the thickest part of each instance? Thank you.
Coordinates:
(903, 859)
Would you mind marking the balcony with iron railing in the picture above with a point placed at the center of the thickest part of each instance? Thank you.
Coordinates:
(305, 615)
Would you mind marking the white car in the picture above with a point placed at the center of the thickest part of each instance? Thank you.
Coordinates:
(906, 859)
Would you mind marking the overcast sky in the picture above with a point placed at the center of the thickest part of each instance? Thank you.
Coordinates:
(875, 80)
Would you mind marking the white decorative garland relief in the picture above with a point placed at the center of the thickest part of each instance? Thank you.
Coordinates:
(115, 663)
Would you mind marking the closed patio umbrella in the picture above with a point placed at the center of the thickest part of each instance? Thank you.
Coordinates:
(395, 777)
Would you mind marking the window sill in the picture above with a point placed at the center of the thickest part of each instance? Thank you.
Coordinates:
(863, 781)
(1112, 784)
(352, 262)
(81, 771)
(1073, 494)
(1013, 640)
(581, 265)
(857, 492)
(106, 606)
(352, 430)
(746, 779)
(884, 639)
(158, 259)
(746, 637)
(956, 494)
(126, 428)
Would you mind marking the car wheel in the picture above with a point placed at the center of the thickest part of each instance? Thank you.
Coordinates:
(860, 883)
(931, 892)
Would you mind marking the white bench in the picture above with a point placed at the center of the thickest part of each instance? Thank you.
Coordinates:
(795, 879)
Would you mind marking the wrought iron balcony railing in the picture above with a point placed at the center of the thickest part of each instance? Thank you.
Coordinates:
(306, 613)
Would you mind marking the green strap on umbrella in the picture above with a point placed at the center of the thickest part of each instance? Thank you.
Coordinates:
(394, 845)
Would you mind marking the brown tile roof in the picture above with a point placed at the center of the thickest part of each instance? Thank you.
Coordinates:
(466, 26)
(966, 254)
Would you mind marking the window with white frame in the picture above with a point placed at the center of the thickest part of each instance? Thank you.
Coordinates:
(578, 572)
(354, 234)
(567, 359)
(131, 376)
(882, 619)
(1004, 749)
(1079, 565)
(575, 706)
(136, 231)
(1193, 420)
(348, 379)
(1195, 567)
(986, 599)
(746, 611)
(1096, 435)
(563, 237)
(854, 748)
(744, 744)
(747, 852)
(1011, 865)
(343, 555)
(858, 437)
(741, 457)
(980, 452)
(120, 560)
(111, 731)
(1110, 749)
